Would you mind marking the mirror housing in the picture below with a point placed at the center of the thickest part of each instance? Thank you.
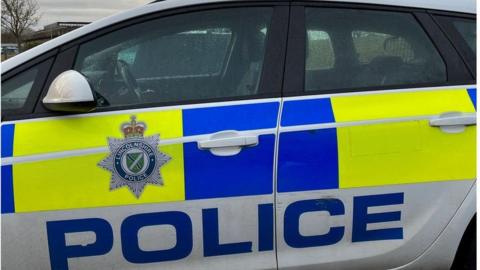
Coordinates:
(70, 92)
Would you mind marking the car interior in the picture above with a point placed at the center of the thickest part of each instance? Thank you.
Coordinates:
(217, 57)
(402, 57)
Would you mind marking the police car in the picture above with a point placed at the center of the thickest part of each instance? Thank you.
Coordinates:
(207, 134)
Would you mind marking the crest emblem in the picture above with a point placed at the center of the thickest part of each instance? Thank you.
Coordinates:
(134, 161)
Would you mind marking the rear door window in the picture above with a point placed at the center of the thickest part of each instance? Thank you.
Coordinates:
(370, 49)
(320, 55)
(370, 45)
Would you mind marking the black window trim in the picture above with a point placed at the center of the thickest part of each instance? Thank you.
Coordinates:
(457, 71)
(452, 14)
(22, 67)
(45, 63)
(294, 80)
(272, 72)
(457, 41)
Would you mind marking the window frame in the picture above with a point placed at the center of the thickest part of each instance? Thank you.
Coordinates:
(271, 78)
(294, 84)
(47, 60)
(455, 38)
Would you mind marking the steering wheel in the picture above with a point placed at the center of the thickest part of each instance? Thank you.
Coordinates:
(129, 79)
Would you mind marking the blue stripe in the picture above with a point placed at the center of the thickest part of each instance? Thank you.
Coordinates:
(235, 117)
(7, 140)
(472, 92)
(7, 190)
(248, 173)
(308, 160)
(307, 112)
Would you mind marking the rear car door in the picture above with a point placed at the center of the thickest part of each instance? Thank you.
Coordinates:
(377, 138)
(175, 169)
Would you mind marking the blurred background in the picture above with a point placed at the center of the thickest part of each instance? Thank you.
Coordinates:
(28, 23)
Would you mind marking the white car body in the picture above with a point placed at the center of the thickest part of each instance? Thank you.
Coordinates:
(430, 216)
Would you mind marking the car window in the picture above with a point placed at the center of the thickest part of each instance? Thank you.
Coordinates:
(320, 53)
(462, 33)
(468, 30)
(196, 56)
(128, 54)
(17, 90)
(371, 48)
(370, 45)
(198, 52)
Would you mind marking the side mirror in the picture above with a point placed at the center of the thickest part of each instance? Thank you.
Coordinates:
(70, 92)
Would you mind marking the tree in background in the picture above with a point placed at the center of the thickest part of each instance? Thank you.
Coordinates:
(18, 16)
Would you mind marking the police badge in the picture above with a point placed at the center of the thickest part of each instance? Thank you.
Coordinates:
(134, 161)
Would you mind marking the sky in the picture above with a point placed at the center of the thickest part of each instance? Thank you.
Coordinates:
(81, 10)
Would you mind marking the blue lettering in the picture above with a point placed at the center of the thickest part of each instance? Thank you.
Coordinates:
(361, 217)
(211, 245)
(60, 252)
(265, 227)
(132, 224)
(291, 231)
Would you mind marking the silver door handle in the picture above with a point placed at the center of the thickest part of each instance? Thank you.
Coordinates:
(458, 120)
(227, 143)
(241, 141)
(454, 122)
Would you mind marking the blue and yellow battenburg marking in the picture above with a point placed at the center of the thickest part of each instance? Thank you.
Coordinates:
(375, 154)
(343, 157)
(77, 182)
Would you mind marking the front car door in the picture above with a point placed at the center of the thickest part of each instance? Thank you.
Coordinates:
(371, 166)
(176, 168)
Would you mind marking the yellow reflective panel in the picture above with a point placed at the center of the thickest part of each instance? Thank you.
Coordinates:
(77, 182)
(73, 133)
(402, 152)
(400, 104)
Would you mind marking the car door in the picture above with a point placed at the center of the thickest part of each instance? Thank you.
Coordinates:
(376, 144)
(175, 169)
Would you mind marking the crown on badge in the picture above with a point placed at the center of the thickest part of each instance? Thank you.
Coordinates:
(134, 128)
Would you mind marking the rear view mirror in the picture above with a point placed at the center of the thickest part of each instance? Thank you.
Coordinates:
(70, 92)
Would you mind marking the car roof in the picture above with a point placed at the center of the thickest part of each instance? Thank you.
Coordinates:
(464, 6)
